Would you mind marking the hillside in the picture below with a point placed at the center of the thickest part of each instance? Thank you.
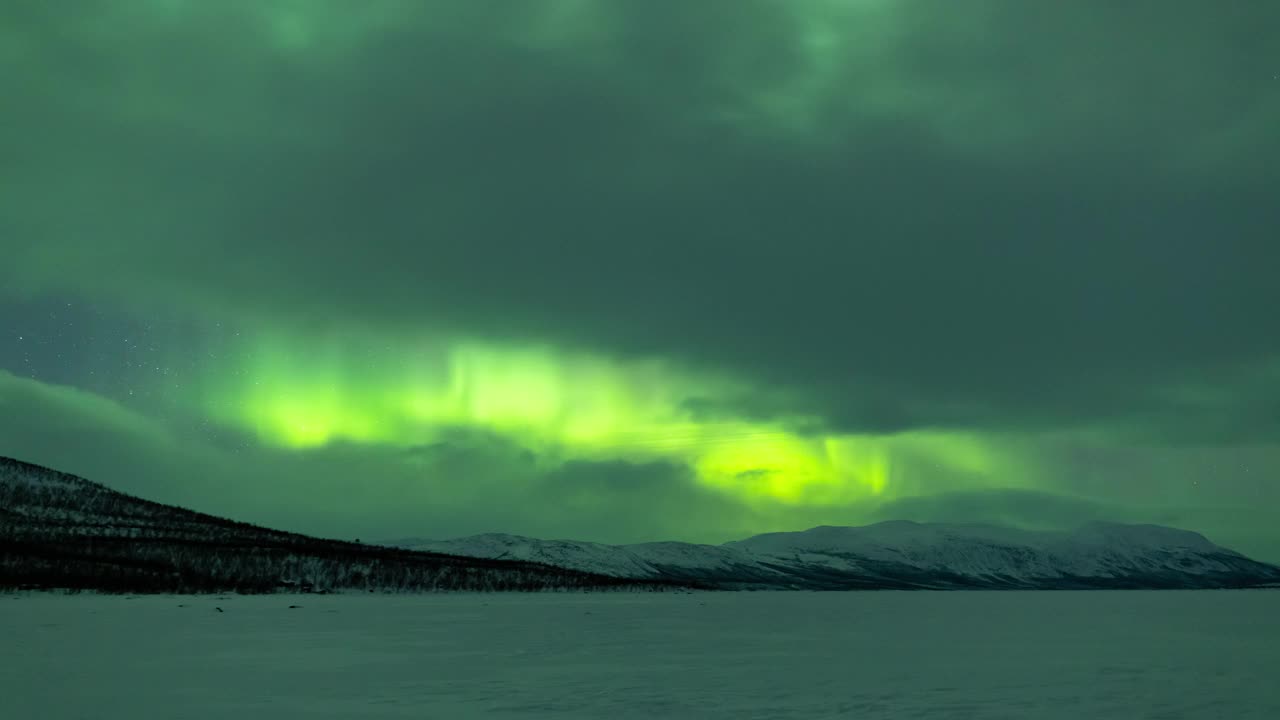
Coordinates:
(62, 531)
(906, 555)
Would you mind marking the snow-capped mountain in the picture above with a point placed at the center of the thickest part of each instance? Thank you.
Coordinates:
(903, 555)
(657, 560)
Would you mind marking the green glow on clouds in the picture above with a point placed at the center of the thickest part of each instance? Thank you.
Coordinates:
(299, 394)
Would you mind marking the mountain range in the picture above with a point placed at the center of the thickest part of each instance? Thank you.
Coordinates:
(62, 531)
(903, 555)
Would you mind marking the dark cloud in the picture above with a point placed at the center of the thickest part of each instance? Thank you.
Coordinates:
(1000, 217)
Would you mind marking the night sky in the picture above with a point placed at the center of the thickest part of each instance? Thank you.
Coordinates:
(626, 271)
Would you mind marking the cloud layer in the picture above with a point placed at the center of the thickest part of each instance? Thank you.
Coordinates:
(907, 213)
(1035, 227)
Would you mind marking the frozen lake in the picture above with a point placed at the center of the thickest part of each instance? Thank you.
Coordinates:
(705, 655)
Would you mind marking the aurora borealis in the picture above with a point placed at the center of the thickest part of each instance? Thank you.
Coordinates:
(627, 271)
(561, 407)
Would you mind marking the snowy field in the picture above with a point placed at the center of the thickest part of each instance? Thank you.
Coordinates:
(705, 655)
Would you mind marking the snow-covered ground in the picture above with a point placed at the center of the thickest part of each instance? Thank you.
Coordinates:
(1191, 654)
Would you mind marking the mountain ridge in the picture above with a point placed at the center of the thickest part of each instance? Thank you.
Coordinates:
(901, 554)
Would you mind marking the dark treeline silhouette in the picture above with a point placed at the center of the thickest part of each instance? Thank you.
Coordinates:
(62, 531)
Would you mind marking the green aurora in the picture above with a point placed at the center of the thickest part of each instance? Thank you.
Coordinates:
(568, 407)
(629, 271)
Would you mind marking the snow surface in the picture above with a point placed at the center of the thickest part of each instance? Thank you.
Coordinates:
(979, 655)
